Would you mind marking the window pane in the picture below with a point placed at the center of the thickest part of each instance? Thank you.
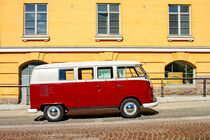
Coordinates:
(104, 73)
(114, 20)
(102, 30)
(114, 23)
(184, 8)
(30, 31)
(173, 8)
(126, 72)
(114, 30)
(102, 17)
(102, 7)
(102, 23)
(173, 17)
(85, 73)
(30, 16)
(29, 7)
(41, 27)
(41, 7)
(114, 16)
(173, 31)
(184, 17)
(185, 31)
(42, 16)
(114, 7)
(184, 24)
(173, 24)
(29, 24)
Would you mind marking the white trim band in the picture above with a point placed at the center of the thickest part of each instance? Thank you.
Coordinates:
(102, 49)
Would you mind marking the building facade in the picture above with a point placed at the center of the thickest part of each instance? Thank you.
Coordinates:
(170, 37)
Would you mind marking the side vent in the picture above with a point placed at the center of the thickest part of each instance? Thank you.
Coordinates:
(44, 91)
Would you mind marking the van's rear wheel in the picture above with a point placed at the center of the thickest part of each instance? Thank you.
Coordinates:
(53, 113)
(130, 108)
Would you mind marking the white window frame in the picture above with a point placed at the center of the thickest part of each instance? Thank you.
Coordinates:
(180, 36)
(36, 36)
(108, 36)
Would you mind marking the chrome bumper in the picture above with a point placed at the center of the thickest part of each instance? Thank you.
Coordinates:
(147, 105)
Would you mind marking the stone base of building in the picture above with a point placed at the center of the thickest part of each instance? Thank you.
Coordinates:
(9, 100)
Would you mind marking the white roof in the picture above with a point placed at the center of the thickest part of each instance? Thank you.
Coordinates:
(88, 64)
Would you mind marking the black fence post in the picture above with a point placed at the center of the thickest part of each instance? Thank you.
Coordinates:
(162, 88)
(204, 87)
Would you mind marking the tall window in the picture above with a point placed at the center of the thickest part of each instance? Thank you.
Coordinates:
(179, 20)
(35, 19)
(179, 69)
(108, 17)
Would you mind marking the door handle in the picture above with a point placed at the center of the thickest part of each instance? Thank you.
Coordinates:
(120, 85)
(98, 86)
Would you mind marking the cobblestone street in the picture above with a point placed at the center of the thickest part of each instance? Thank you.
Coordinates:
(189, 120)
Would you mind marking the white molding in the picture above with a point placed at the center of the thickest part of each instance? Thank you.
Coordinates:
(108, 37)
(103, 49)
(35, 37)
(181, 38)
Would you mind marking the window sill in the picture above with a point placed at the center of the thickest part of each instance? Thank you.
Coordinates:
(180, 38)
(108, 37)
(35, 38)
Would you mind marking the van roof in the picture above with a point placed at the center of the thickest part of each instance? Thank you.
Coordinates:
(87, 64)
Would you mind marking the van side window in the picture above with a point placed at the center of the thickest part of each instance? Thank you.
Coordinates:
(126, 72)
(66, 74)
(85, 73)
(105, 73)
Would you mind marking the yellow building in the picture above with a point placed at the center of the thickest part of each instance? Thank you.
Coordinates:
(167, 36)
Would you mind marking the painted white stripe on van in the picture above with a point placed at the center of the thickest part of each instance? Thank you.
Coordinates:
(100, 49)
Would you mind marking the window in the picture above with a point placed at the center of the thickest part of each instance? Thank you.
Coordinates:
(35, 22)
(66, 74)
(105, 73)
(108, 19)
(179, 21)
(126, 72)
(179, 69)
(85, 73)
(35, 19)
(140, 71)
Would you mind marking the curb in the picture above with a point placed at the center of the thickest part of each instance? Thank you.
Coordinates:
(182, 99)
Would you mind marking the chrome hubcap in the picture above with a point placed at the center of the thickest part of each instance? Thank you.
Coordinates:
(130, 108)
(53, 112)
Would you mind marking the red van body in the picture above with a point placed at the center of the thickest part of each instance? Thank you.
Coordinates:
(104, 89)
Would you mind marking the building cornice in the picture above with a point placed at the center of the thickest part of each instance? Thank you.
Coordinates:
(105, 49)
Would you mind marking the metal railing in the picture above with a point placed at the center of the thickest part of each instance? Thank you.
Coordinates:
(162, 83)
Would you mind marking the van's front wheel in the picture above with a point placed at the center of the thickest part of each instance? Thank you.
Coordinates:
(53, 113)
(130, 108)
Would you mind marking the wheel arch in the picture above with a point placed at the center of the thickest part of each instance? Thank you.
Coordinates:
(43, 106)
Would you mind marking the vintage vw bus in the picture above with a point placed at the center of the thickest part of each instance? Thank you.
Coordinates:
(58, 88)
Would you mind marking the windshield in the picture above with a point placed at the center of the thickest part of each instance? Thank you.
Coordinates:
(141, 71)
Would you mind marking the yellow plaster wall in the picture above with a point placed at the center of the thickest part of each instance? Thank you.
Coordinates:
(73, 23)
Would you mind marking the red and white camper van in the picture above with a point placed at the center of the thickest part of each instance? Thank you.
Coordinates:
(58, 88)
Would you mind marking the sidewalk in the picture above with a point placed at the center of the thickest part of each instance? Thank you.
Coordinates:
(166, 99)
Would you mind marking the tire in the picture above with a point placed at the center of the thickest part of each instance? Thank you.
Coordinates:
(53, 113)
(130, 108)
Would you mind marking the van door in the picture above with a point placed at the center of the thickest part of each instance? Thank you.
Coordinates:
(106, 89)
(127, 83)
(86, 88)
